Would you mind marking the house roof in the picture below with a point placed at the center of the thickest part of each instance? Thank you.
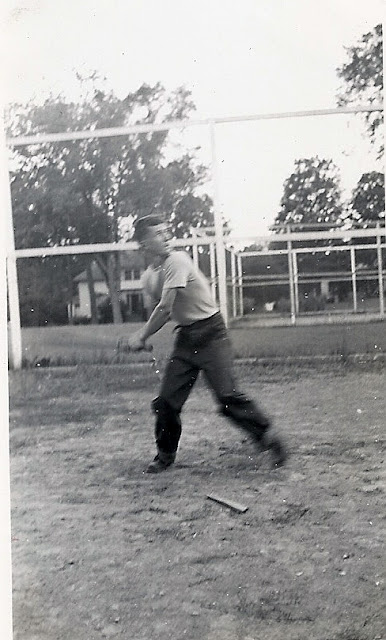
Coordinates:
(129, 260)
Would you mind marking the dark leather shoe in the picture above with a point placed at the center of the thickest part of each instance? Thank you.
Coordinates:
(276, 448)
(160, 463)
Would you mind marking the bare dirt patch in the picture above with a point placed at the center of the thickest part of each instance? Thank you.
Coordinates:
(102, 550)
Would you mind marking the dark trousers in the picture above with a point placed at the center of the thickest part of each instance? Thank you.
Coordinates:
(203, 346)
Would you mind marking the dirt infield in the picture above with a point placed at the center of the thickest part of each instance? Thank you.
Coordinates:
(101, 550)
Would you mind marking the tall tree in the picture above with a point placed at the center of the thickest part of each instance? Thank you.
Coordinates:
(362, 77)
(311, 194)
(78, 192)
(368, 199)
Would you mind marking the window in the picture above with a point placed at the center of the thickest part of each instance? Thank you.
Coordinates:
(131, 274)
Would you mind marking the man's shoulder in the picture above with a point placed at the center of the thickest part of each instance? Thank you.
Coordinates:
(147, 274)
(150, 277)
(178, 258)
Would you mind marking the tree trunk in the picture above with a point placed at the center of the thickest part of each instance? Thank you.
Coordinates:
(114, 284)
(91, 290)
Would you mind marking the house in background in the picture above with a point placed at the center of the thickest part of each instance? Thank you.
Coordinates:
(132, 268)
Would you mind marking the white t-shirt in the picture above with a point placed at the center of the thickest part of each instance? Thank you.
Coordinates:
(194, 299)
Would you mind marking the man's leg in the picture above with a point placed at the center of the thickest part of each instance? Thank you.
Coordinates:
(217, 364)
(179, 378)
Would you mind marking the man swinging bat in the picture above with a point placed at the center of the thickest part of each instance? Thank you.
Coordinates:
(202, 344)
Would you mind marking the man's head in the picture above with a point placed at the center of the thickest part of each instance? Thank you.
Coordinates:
(153, 235)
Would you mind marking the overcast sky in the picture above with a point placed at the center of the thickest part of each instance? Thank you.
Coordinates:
(238, 57)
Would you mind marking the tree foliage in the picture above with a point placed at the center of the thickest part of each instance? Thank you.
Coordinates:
(79, 191)
(45, 288)
(311, 195)
(368, 199)
(362, 77)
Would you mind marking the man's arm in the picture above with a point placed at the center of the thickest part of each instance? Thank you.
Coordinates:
(159, 317)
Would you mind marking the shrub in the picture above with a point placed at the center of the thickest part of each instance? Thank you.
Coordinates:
(283, 305)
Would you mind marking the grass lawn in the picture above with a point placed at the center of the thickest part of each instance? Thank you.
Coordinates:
(101, 550)
(81, 344)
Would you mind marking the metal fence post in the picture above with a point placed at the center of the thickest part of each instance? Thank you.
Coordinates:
(240, 283)
(212, 258)
(296, 280)
(13, 290)
(220, 246)
(380, 273)
(291, 282)
(354, 279)
(233, 277)
(194, 248)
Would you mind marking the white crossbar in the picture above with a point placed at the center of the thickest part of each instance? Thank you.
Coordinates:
(182, 124)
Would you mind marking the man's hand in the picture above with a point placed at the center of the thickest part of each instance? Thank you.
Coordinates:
(136, 342)
(159, 317)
